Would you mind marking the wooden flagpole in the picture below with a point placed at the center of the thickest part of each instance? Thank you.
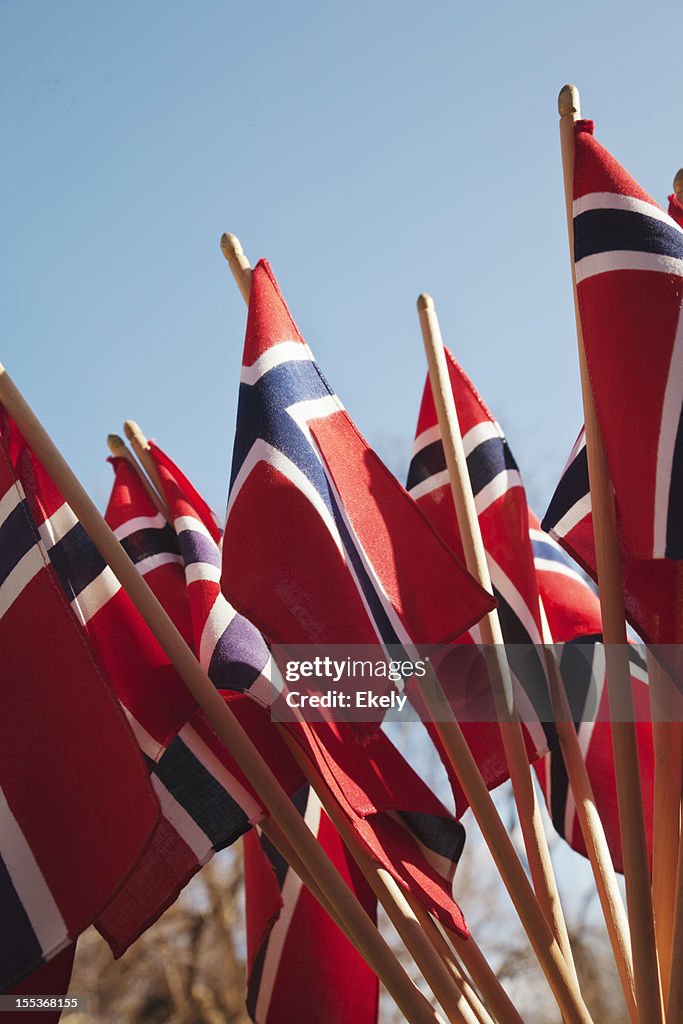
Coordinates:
(674, 1007)
(140, 446)
(356, 922)
(624, 740)
(391, 896)
(383, 885)
(593, 833)
(667, 741)
(485, 979)
(561, 979)
(667, 737)
(514, 746)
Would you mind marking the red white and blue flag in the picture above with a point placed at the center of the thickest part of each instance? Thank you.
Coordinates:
(500, 501)
(628, 257)
(206, 800)
(63, 852)
(347, 555)
(571, 613)
(652, 588)
(323, 545)
(288, 931)
(228, 646)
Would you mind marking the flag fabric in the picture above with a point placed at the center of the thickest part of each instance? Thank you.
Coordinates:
(394, 814)
(571, 611)
(207, 801)
(652, 588)
(501, 506)
(229, 647)
(286, 927)
(323, 545)
(300, 965)
(628, 258)
(542, 598)
(53, 978)
(63, 849)
(348, 556)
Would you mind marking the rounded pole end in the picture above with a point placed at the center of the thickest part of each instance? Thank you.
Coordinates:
(678, 182)
(131, 429)
(231, 246)
(424, 301)
(115, 443)
(569, 101)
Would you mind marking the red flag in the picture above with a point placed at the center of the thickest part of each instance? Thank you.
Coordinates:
(348, 555)
(206, 800)
(500, 501)
(300, 966)
(323, 545)
(76, 807)
(572, 613)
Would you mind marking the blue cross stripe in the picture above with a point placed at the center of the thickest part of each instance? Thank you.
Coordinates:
(547, 550)
(606, 230)
(262, 414)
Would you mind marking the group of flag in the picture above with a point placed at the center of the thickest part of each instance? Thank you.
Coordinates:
(115, 789)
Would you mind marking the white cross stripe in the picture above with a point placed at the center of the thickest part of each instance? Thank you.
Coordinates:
(156, 522)
(607, 262)
(617, 201)
(30, 884)
(276, 355)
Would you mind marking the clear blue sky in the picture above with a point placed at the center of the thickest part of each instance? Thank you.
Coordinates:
(369, 150)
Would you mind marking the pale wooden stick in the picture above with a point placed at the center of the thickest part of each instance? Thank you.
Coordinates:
(447, 954)
(608, 563)
(140, 446)
(593, 832)
(356, 922)
(667, 741)
(485, 978)
(238, 262)
(392, 897)
(120, 450)
(561, 981)
(674, 1009)
(535, 841)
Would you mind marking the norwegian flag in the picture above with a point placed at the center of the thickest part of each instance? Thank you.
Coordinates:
(395, 815)
(206, 800)
(287, 930)
(652, 588)
(229, 648)
(347, 555)
(286, 926)
(572, 619)
(63, 850)
(323, 545)
(628, 258)
(503, 514)
(542, 598)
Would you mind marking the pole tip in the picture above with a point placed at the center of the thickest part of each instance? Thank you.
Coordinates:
(231, 246)
(424, 301)
(115, 443)
(131, 429)
(569, 101)
(678, 182)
